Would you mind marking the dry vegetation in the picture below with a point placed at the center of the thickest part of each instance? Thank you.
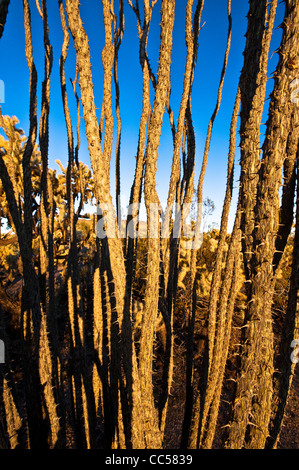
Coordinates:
(148, 343)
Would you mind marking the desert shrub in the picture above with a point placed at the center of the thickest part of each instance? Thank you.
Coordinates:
(9, 261)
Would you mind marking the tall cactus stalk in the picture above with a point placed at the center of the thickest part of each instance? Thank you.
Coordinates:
(267, 208)
(253, 81)
(118, 36)
(13, 419)
(255, 388)
(170, 245)
(3, 14)
(252, 89)
(193, 283)
(111, 247)
(153, 436)
(286, 366)
(220, 295)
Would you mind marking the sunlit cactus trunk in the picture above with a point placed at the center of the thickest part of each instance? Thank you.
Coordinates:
(290, 334)
(111, 248)
(193, 423)
(152, 431)
(255, 384)
(180, 191)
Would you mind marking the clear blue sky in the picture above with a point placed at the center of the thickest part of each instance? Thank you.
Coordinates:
(212, 44)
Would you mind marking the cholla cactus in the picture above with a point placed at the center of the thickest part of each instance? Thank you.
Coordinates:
(14, 146)
(82, 187)
(9, 256)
